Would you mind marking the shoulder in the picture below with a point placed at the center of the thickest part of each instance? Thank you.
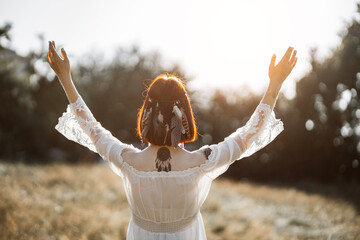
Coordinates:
(201, 155)
(139, 159)
(197, 158)
(129, 153)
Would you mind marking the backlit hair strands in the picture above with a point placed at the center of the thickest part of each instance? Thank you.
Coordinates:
(177, 126)
(166, 117)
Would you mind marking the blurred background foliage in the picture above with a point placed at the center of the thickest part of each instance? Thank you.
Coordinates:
(322, 122)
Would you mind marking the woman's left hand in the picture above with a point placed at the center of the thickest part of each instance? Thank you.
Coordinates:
(61, 66)
(278, 73)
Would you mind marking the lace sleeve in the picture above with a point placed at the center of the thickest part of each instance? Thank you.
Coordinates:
(79, 125)
(259, 131)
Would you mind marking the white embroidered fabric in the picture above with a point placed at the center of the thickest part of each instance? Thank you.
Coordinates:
(166, 205)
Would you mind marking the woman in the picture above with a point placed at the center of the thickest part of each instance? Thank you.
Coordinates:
(165, 184)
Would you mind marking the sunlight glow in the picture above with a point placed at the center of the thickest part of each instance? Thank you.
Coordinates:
(227, 45)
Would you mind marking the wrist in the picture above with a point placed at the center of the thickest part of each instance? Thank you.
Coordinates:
(275, 83)
(64, 77)
(274, 89)
(276, 80)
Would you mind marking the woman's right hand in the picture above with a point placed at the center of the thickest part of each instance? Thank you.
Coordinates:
(279, 73)
(61, 66)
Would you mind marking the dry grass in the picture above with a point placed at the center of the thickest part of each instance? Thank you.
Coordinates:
(88, 202)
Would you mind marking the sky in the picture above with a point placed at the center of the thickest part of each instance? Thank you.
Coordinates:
(219, 44)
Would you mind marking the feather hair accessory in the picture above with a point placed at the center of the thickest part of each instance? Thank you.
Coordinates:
(175, 131)
(167, 129)
(177, 111)
(176, 126)
(156, 120)
(185, 124)
(160, 117)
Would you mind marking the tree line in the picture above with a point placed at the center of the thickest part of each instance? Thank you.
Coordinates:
(322, 123)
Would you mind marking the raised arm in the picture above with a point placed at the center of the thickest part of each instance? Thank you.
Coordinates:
(277, 75)
(78, 124)
(260, 129)
(61, 67)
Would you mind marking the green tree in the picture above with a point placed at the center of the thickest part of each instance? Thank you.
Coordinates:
(32, 103)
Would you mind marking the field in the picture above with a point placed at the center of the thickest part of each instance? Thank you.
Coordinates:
(88, 202)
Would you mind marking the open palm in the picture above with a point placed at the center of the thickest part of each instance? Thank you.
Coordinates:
(61, 66)
(279, 73)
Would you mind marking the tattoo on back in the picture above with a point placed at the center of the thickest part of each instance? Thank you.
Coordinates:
(162, 161)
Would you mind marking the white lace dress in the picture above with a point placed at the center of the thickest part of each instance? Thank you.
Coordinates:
(166, 205)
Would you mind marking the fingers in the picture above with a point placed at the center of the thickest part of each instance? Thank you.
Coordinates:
(293, 60)
(50, 55)
(49, 52)
(64, 55)
(294, 63)
(52, 49)
(53, 54)
(48, 58)
(272, 64)
(293, 57)
(288, 53)
(272, 61)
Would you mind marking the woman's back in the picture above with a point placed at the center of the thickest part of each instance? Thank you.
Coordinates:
(181, 159)
(165, 201)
